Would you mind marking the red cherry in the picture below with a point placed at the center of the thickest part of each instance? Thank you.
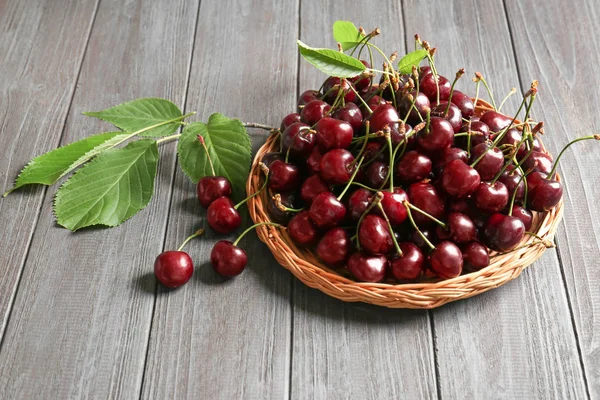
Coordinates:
(475, 256)
(284, 177)
(480, 133)
(367, 268)
(276, 214)
(393, 206)
(313, 161)
(464, 104)
(413, 166)
(211, 188)
(376, 174)
(446, 260)
(351, 114)
(222, 216)
(461, 228)
(538, 161)
(503, 232)
(326, 211)
(362, 83)
(439, 137)
(418, 240)
(299, 139)
(173, 268)
(373, 151)
(425, 197)
(421, 104)
(544, 194)
(334, 247)
(374, 235)
(495, 120)
(491, 198)
(302, 230)
(490, 164)
(410, 265)
(314, 111)
(335, 166)
(459, 180)
(450, 154)
(384, 115)
(227, 259)
(376, 101)
(311, 187)
(333, 134)
(269, 158)
(453, 115)
(289, 120)
(306, 97)
(511, 178)
(429, 87)
(524, 215)
(358, 202)
(331, 93)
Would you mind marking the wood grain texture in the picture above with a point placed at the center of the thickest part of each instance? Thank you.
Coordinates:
(81, 318)
(344, 350)
(516, 341)
(216, 339)
(565, 63)
(42, 48)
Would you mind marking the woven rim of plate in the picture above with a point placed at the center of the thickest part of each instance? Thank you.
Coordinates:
(305, 265)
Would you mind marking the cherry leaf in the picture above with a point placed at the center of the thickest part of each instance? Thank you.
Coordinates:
(411, 59)
(346, 34)
(332, 62)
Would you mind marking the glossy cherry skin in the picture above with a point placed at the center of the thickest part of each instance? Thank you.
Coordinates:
(424, 71)
(384, 115)
(446, 260)
(374, 151)
(459, 180)
(513, 137)
(503, 232)
(374, 235)
(306, 97)
(464, 104)
(227, 259)
(173, 268)
(334, 247)
(461, 228)
(544, 194)
(475, 256)
(367, 268)
(299, 139)
(439, 137)
(351, 114)
(480, 133)
(413, 166)
(313, 162)
(453, 115)
(331, 93)
(358, 202)
(429, 87)
(360, 82)
(418, 240)
(311, 187)
(393, 206)
(268, 158)
(511, 178)
(376, 174)
(490, 164)
(289, 120)
(302, 230)
(524, 215)
(335, 166)
(491, 198)
(425, 197)
(314, 111)
(211, 188)
(333, 134)
(222, 217)
(375, 101)
(280, 216)
(284, 177)
(538, 161)
(422, 105)
(495, 120)
(450, 154)
(410, 265)
(326, 211)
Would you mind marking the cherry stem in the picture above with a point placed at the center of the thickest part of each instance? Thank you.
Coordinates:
(364, 145)
(396, 245)
(212, 168)
(258, 126)
(431, 217)
(412, 221)
(553, 170)
(168, 138)
(264, 185)
(376, 200)
(351, 179)
(428, 121)
(361, 100)
(391, 163)
(512, 91)
(489, 91)
(254, 226)
(477, 85)
(460, 73)
(194, 235)
(414, 100)
(364, 186)
(279, 205)
(546, 243)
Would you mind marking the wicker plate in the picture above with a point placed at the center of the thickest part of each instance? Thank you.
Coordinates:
(304, 264)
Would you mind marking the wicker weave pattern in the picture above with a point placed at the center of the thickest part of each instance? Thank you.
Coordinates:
(305, 265)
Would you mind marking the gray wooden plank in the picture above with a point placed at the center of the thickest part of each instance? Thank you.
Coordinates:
(81, 317)
(565, 62)
(516, 341)
(349, 350)
(42, 48)
(223, 340)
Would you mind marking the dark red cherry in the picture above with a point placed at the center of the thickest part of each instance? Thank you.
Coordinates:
(511, 178)
(464, 104)
(332, 86)
(306, 97)
(311, 187)
(418, 240)
(421, 103)
(424, 71)
(512, 138)
(453, 115)
(361, 82)
(211, 188)
(173, 268)
(480, 133)
(351, 114)
(491, 198)
(490, 164)
(302, 230)
(335, 166)
(461, 228)
(425, 197)
(284, 177)
(376, 174)
(393, 206)
(503, 232)
(268, 158)
(326, 211)
(334, 247)
(222, 216)
(227, 259)
(429, 87)
(333, 134)
(410, 265)
(376, 101)
(374, 235)
(544, 194)
(413, 166)
(313, 162)
(459, 180)
(374, 152)
(314, 111)
(366, 268)
(524, 215)
(495, 121)
(289, 120)
(538, 161)
(384, 115)
(475, 256)
(450, 154)
(439, 137)
(280, 216)
(459, 205)
(299, 139)
(358, 202)
(446, 260)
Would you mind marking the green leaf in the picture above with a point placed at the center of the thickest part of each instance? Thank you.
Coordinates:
(346, 34)
(110, 189)
(142, 114)
(50, 167)
(229, 147)
(411, 59)
(332, 62)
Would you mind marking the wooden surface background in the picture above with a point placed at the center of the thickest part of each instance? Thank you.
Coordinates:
(81, 315)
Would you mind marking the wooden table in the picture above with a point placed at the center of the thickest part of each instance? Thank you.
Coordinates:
(81, 315)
